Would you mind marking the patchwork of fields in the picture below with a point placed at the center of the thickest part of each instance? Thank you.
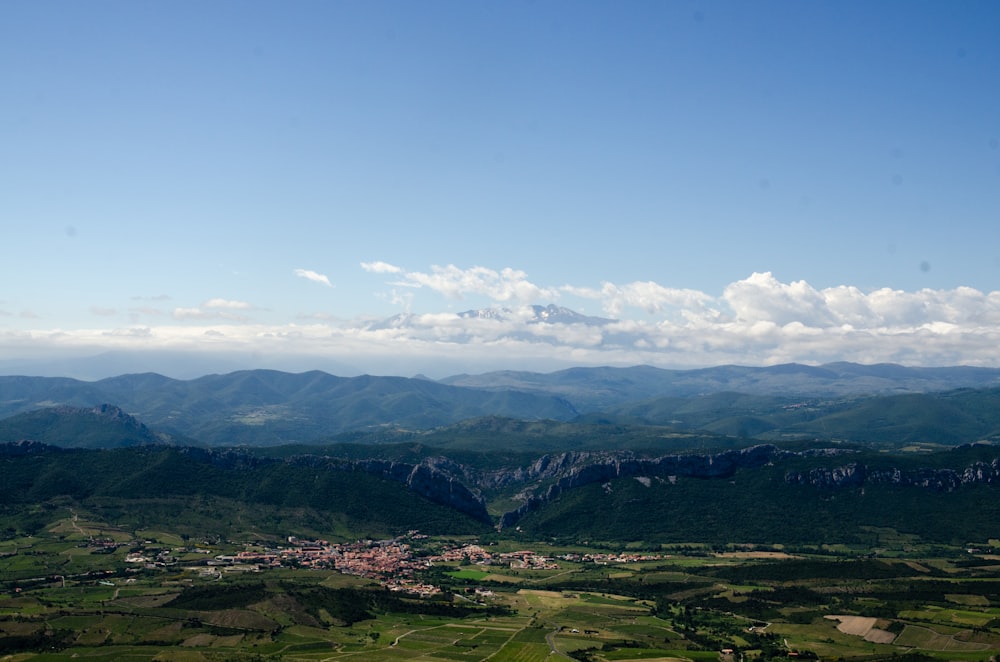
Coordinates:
(73, 592)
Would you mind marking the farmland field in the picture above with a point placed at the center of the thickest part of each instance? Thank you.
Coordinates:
(67, 597)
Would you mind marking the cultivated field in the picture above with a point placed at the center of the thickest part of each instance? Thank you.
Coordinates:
(76, 591)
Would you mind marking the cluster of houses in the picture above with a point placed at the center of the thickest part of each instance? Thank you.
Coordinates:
(389, 562)
(474, 554)
(604, 559)
(151, 559)
(392, 563)
(527, 558)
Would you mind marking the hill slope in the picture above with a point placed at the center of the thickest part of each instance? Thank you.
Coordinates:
(147, 485)
(947, 418)
(103, 426)
(592, 389)
(265, 407)
(762, 494)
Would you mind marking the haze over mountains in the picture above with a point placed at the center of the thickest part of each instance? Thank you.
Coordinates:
(532, 325)
(525, 324)
(522, 337)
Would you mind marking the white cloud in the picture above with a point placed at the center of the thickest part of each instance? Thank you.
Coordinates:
(313, 276)
(190, 314)
(651, 297)
(755, 321)
(506, 285)
(227, 304)
(763, 297)
(140, 332)
(403, 299)
(145, 310)
(210, 310)
(381, 268)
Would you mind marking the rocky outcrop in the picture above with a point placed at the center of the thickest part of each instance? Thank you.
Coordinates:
(609, 467)
(26, 447)
(111, 412)
(858, 475)
(457, 486)
(431, 479)
(544, 468)
(100, 426)
(440, 488)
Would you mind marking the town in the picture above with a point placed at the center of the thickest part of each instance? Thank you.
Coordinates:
(393, 563)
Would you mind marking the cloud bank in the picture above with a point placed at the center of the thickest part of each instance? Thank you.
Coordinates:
(759, 320)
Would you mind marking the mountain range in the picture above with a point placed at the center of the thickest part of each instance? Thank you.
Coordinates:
(759, 493)
(599, 453)
(539, 338)
(881, 403)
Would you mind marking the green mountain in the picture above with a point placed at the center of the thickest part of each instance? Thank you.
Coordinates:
(265, 407)
(596, 389)
(492, 434)
(761, 509)
(224, 491)
(756, 494)
(103, 426)
(948, 418)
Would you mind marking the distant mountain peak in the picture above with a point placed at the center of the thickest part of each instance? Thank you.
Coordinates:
(554, 314)
(550, 314)
(534, 314)
(486, 314)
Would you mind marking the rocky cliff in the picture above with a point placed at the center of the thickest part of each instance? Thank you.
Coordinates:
(604, 467)
(858, 475)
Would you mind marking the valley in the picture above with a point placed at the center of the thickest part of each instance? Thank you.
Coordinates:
(611, 535)
(87, 589)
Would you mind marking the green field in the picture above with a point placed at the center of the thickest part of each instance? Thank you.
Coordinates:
(64, 596)
(473, 575)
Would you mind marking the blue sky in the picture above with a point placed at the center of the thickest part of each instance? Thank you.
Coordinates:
(734, 182)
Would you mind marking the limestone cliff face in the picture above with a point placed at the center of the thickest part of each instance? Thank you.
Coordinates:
(430, 481)
(453, 484)
(441, 488)
(608, 467)
(858, 475)
(545, 467)
(444, 481)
